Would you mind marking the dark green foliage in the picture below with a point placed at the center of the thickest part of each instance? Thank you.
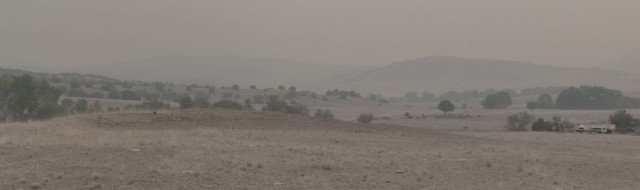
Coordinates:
(542, 90)
(77, 93)
(74, 84)
(67, 105)
(23, 98)
(292, 89)
(281, 87)
(81, 106)
(519, 121)
(365, 118)
(545, 101)
(235, 87)
(130, 95)
(541, 125)
(499, 100)
(253, 87)
(247, 105)
(186, 102)
(97, 107)
(594, 97)
(532, 105)
(343, 93)
(114, 94)
(623, 121)
(446, 106)
(274, 104)
(227, 104)
(290, 95)
(227, 95)
(326, 114)
(97, 95)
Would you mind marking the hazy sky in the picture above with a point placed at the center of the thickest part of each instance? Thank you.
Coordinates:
(376, 32)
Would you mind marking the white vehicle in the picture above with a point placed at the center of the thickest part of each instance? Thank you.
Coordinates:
(596, 128)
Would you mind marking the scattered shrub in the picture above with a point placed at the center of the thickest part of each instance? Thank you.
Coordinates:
(365, 118)
(227, 104)
(519, 121)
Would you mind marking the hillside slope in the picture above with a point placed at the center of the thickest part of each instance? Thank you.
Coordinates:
(442, 73)
(219, 71)
(629, 62)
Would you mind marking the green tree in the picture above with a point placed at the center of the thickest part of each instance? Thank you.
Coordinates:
(446, 106)
(519, 121)
(97, 107)
(235, 87)
(81, 106)
(227, 104)
(532, 105)
(186, 102)
(67, 105)
(23, 98)
(499, 100)
(623, 120)
(365, 118)
(130, 95)
(545, 101)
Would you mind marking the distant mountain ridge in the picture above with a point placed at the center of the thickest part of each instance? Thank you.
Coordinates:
(264, 72)
(443, 73)
(629, 62)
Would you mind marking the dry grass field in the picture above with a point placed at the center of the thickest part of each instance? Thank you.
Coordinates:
(220, 149)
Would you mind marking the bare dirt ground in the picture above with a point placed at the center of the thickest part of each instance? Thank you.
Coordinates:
(216, 149)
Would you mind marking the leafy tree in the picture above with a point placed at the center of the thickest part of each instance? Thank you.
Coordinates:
(67, 105)
(623, 120)
(97, 107)
(541, 125)
(327, 114)
(81, 106)
(274, 104)
(23, 98)
(318, 113)
(365, 118)
(532, 105)
(519, 121)
(97, 95)
(186, 102)
(281, 87)
(545, 101)
(292, 89)
(499, 100)
(114, 94)
(446, 106)
(227, 95)
(247, 105)
(77, 93)
(129, 95)
(253, 87)
(594, 97)
(74, 84)
(227, 104)
(235, 87)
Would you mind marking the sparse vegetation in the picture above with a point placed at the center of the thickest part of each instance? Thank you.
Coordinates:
(227, 104)
(624, 121)
(274, 104)
(365, 118)
(519, 121)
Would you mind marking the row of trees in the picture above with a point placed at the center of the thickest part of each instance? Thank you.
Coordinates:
(623, 121)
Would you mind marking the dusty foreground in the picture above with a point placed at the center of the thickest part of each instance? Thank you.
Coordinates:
(205, 149)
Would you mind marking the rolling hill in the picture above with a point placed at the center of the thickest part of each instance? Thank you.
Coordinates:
(224, 71)
(629, 63)
(443, 73)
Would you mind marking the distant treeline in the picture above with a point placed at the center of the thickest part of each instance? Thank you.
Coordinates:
(464, 96)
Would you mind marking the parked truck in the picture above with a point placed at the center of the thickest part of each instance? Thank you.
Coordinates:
(602, 128)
